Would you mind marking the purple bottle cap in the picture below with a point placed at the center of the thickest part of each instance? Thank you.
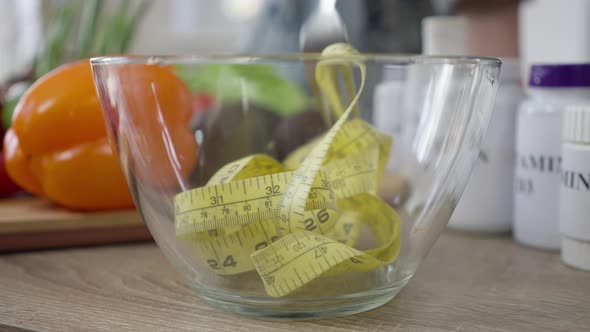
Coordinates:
(560, 75)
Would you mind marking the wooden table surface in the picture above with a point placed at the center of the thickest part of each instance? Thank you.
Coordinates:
(468, 283)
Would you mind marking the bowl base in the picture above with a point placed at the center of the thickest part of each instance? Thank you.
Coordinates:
(300, 309)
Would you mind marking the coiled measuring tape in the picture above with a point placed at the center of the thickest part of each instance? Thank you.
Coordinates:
(299, 220)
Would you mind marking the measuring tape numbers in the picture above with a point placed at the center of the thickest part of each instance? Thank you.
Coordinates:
(299, 220)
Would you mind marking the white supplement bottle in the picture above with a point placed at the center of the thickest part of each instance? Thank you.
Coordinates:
(388, 110)
(486, 203)
(552, 31)
(574, 206)
(538, 150)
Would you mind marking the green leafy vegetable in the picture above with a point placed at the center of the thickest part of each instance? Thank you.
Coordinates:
(259, 83)
(7, 111)
(57, 38)
(98, 32)
(89, 21)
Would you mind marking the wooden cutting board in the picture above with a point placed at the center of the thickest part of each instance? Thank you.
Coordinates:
(28, 223)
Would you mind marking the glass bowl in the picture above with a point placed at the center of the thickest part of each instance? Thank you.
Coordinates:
(281, 198)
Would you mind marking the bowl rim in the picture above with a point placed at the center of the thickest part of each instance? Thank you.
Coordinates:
(381, 59)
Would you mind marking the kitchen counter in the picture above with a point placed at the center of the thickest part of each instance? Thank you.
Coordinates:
(467, 283)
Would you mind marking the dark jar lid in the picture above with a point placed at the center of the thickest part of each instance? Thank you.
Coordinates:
(560, 75)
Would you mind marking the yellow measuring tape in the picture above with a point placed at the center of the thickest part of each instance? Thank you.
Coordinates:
(296, 221)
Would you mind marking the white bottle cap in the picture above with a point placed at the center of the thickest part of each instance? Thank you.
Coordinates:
(444, 35)
(575, 253)
(510, 70)
(576, 124)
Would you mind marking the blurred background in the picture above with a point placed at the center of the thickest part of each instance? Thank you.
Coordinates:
(224, 26)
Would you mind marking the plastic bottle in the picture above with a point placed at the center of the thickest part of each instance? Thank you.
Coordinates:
(536, 197)
(486, 203)
(574, 206)
(444, 35)
(388, 107)
(553, 32)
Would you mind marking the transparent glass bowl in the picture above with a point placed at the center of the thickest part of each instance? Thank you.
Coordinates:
(171, 140)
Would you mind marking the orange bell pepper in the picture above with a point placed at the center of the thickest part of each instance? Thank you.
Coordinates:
(152, 122)
(58, 147)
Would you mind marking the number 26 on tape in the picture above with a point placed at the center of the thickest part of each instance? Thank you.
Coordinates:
(322, 217)
(228, 262)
